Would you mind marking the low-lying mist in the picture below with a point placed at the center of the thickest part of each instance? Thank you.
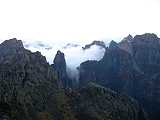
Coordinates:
(74, 54)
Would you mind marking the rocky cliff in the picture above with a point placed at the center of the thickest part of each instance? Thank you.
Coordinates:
(59, 65)
(131, 66)
(27, 82)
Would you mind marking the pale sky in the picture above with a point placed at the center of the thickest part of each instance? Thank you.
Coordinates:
(77, 20)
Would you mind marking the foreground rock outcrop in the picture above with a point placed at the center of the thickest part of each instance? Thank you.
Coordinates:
(94, 102)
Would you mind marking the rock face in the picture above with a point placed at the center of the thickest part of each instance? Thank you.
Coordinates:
(114, 70)
(60, 67)
(95, 102)
(131, 66)
(125, 44)
(27, 82)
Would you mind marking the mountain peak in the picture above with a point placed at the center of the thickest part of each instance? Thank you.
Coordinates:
(113, 44)
(11, 46)
(12, 43)
(59, 58)
(60, 53)
(150, 38)
(125, 44)
(128, 38)
(60, 67)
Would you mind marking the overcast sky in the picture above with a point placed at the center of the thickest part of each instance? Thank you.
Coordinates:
(77, 20)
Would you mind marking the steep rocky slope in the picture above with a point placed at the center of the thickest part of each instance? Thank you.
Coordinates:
(27, 82)
(94, 102)
(131, 66)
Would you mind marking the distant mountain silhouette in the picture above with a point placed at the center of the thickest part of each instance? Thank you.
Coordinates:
(96, 42)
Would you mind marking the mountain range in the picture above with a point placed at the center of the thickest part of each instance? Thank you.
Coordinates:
(123, 85)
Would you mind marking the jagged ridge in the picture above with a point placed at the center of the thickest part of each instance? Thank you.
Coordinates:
(131, 66)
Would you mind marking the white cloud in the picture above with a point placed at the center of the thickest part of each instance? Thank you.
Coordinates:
(74, 55)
